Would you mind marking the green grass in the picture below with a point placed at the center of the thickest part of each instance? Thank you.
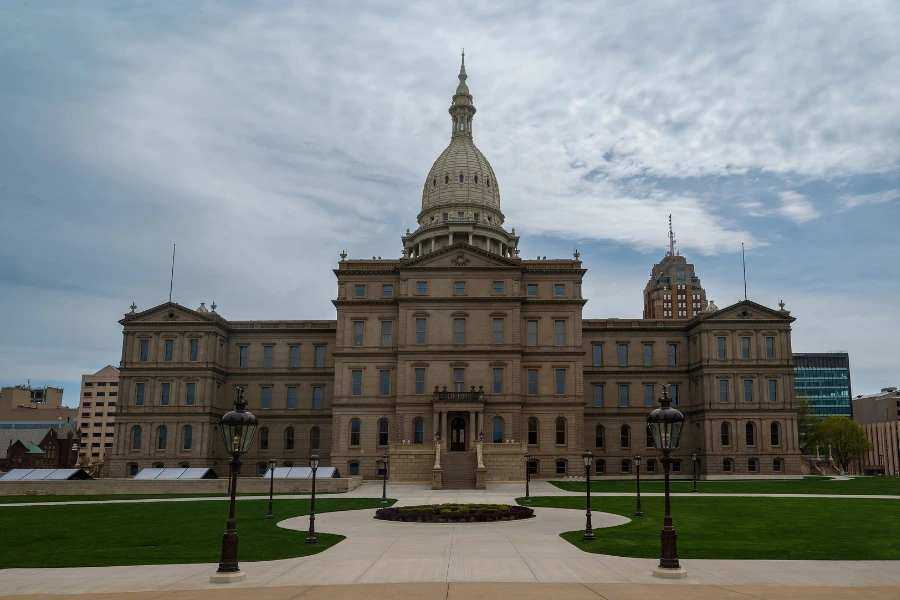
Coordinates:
(102, 535)
(879, 486)
(746, 528)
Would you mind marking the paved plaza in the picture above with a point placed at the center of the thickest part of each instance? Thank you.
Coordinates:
(441, 558)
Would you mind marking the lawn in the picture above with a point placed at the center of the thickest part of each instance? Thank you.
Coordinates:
(879, 486)
(157, 533)
(746, 528)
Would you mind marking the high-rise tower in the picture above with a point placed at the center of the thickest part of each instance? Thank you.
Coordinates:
(674, 290)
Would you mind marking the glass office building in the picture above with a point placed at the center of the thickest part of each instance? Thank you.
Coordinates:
(824, 380)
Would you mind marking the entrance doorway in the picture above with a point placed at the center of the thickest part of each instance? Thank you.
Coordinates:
(458, 436)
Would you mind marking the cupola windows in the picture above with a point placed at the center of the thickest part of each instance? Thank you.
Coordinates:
(462, 123)
(476, 180)
(446, 179)
(434, 182)
(461, 177)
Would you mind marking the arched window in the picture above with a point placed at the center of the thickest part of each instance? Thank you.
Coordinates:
(560, 467)
(263, 438)
(187, 437)
(751, 437)
(433, 184)
(354, 432)
(383, 432)
(446, 179)
(560, 432)
(185, 465)
(726, 434)
(533, 431)
(162, 435)
(599, 434)
(136, 432)
(289, 438)
(419, 430)
(497, 427)
(625, 435)
(774, 433)
(488, 182)
(476, 179)
(649, 438)
(460, 177)
(314, 435)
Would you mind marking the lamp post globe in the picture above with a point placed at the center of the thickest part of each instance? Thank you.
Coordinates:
(238, 427)
(311, 535)
(588, 458)
(271, 515)
(694, 461)
(384, 465)
(664, 425)
(637, 469)
(527, 479)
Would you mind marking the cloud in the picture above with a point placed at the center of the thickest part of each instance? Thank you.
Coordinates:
(797, 207)
(853, 200)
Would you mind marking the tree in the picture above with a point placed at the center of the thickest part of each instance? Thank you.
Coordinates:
(807, 422)
(848, 440)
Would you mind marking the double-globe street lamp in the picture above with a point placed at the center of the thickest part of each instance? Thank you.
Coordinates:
(311, 536)
(271, 515)
(588, 530)
(238, 427)
(664, 425)
(384, 464)
(637, 469)
(527, 479)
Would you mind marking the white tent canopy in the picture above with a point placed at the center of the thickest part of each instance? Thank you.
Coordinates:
(45, 475)
(303, 473)
(180, 473)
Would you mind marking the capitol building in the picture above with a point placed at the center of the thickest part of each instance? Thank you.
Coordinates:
(459, 357)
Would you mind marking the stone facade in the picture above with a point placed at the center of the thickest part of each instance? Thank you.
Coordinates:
(459, 339)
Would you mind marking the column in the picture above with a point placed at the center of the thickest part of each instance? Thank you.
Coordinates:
(472, 432)
(434, 426)
(445, 433)
(470, 238)
(432, 244)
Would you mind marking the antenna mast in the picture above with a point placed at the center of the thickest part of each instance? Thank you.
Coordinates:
(172, 276)
(744, 262)
(671, 238)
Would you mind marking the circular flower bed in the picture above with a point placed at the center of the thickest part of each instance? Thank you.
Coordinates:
(454, 513)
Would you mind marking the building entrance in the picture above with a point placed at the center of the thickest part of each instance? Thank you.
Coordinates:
(458, 437)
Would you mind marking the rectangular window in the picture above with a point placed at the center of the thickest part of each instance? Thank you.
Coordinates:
(559, 289)
(559, 333)
(623, 355)
(723, 390)
(597, 355)
(194, 350)
(164, 393)
(387, 290)
(673, 393)
(269, 356)
(598, 395)
(420, 381)
(243, 352)
(623, 395)
(532, 381)
(317, 396)
(422, 286)
(770, 347)
(356, 383)
(476, 216)
(600, 466)
(459, 380)
(190, 390)
(498, 381)
(386, 330)
(560, 381)
(170, 350)
(531, 290)
(459, 331)
(726, 465)
(384, 383)
(776, 465)
(498, 287)
(498, 331)
(773, 390)
(459, 287)
(101, 394)
(360, 291)
(648, 395)
(320, 356)
(266, 401)
(531, 332)
(748, 390)
(720, 348)
(294, 356)
(745, 347)
(446, 216)
(139, 394)
(292, 397)
(145, 350)
(420, 331)
(673, 354)
(358, 332)
(648, 354)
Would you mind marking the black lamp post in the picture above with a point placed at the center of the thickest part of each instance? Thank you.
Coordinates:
(271, 515)
(238, 427)
(637, 470)
(384, 462)
(588, 530)
(527, 479)
(694, 460)
(665, 424)
(311, 536)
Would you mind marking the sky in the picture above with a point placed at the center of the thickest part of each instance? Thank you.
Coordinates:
(263, 138)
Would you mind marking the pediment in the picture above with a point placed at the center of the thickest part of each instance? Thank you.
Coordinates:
(169, 312)
(461, 256)
(747, 310)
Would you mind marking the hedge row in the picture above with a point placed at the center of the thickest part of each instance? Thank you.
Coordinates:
(454, 513)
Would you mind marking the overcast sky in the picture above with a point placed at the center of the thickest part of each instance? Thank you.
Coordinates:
(264, 138)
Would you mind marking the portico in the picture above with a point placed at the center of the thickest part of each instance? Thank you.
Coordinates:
(458, 418)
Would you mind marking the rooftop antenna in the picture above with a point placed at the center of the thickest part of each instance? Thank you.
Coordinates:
(172, 276)
(744, 262)
(671, 238)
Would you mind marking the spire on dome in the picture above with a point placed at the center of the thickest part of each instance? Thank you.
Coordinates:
(462, 88)
(462, 109)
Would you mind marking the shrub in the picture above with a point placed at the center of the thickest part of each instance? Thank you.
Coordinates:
(454, 513)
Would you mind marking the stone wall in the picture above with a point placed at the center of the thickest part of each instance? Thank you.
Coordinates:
(411, 463)
(505, 462)
(255, 485)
